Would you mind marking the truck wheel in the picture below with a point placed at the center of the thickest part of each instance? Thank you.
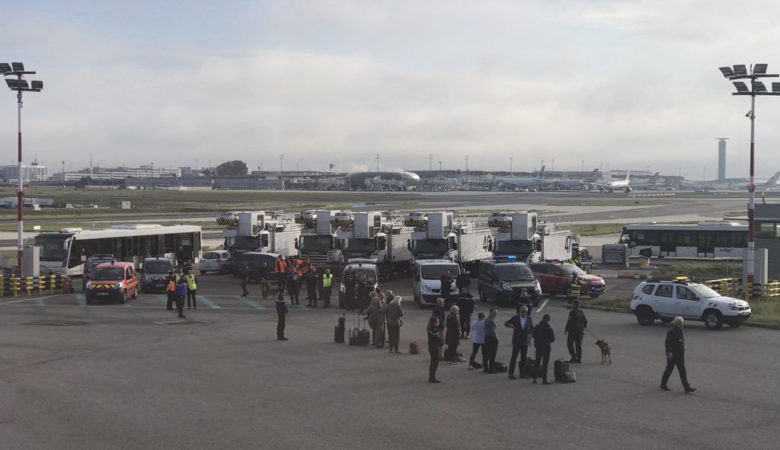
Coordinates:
(712, 319)
(645, 316)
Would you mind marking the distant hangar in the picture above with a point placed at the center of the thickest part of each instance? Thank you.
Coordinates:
(375, 181)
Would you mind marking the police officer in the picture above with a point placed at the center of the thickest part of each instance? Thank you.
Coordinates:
(192, 287)
(575, 330)
(181, 292)
(281, 313)
(327, 284)
(675, 355)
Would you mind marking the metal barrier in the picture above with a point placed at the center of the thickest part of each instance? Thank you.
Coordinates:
(12, 285)
(725, 286)
(733, 288)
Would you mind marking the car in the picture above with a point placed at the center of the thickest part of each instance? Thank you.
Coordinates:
(693, 301)
(155, 274)
(112, 281)
(556, 277)
(215, 261)
(508, 283)
(426, 281)
(89, 265)
(367, 269)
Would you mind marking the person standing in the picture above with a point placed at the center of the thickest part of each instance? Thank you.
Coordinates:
(478, 339)
(463, 280)
(575, 329)
(466, 307)
(393, 317)
(446, 285)
(294, 282)
(376, 318)
(181, 292)
(438, 311)
(327, 284)
(434, 343)
(281, 316)
(364, 289)
(521, 324)
(350, 287)
(170, 290)
(280, 267)
(490, 348)
(675, 356)
(192, 288)
(243, 273)
(452, 336)
(543, 338)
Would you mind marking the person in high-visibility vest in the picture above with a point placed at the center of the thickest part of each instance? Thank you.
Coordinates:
(327, 283)
(192, 287)
(170, 289)
(280, 267)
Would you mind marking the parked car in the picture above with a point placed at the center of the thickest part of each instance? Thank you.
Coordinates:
(112, 281)
(155, 274)
(694, 301)
(508, 283)
(215, 261)
(555, 279)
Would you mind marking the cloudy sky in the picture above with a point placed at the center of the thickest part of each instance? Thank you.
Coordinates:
(629, 84)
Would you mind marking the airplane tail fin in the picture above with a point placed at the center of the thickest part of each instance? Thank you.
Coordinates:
(773, 181)
(541, 171)
(628, 176)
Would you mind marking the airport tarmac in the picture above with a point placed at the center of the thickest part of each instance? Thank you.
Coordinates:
(134, 377)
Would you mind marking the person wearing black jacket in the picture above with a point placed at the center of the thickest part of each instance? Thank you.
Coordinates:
(452, 337)
(434, 343)
(522, 325)
(364, 287)
(575, 329)
(543, 338)
(466, 307)
(463, 280)
(350, 287)
(438, 312)
(281, 315)
(446, 285)
(675, 355)
(490, 348)
(243, 273)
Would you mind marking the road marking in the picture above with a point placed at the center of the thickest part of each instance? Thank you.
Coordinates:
(30, 299)
(541, 307)
(208, 302)
(251, 303)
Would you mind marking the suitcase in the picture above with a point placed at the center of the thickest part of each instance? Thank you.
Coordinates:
(353, 333)
(363, 337)
(563, 373)
(530, 369)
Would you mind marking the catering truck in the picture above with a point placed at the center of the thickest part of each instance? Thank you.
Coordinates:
(439, 235)
(317, 239)
(259, 231)
(373, 237)
(522, 236)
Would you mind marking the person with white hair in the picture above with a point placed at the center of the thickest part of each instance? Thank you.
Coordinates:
(675, 355)
(452, 337)
(393, 317)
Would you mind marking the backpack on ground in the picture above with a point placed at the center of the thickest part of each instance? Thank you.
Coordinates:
(563, 372)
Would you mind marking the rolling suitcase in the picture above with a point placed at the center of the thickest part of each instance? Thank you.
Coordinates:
(353, 333)
(529, 369)
(363, 336)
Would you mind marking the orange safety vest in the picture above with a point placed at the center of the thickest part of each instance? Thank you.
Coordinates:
(171, 286)
(280, 266)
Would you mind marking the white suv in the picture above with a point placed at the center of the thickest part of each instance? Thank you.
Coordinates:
(215, 261)
(666, 299)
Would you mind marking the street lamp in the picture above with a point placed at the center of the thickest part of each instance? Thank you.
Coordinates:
(19, 84)
(740, 72)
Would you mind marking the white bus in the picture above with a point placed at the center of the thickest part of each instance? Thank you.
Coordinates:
(699, 240)
(63, 251)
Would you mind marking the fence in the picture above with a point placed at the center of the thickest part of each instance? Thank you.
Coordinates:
(733, 288)
(13, 285)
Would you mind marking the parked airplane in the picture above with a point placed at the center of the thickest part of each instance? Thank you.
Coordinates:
(611, 186)
(572, 183)
(530, 183)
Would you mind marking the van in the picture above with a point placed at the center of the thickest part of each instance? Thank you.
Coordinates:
(155, 274)
(427, 279)
(508, 283)
(112, 281)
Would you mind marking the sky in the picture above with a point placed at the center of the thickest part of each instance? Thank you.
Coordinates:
(584, 83)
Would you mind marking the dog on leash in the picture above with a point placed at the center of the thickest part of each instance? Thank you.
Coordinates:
(606, 351)
(265, 288)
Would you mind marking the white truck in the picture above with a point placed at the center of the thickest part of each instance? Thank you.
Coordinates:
(523, 237)
(438, 235)
(259, 231)
(426, 279)
(317, 239)
(373, 237)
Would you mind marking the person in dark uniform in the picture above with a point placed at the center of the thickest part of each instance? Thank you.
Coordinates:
(364, 288)
(575, 329)
(463, 280)
(438, 311)
(311, 284)
(675, 355)
(181, 293)
(326, 285)
(281, 315)
(446, 285)
(452, 336)
(543, 338)
(490, 348)
(522, 325)
(466, 307)
(434, 343)
(350, 288)
(243, 273)
(294, 283)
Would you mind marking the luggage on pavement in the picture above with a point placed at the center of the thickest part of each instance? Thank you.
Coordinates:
(563, 372)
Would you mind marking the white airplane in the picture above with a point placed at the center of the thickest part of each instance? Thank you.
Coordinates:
(612, 186)
(529, 183)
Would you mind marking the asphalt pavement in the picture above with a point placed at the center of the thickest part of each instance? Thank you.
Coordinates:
(133, 376)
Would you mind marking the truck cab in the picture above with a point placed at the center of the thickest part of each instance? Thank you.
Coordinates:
(426, 281)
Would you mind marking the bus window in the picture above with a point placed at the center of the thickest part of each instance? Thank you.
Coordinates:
(766, 230)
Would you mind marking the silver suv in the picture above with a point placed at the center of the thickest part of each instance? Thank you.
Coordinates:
(694, 301)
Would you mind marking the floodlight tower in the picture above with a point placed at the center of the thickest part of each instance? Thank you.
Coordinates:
(19, 84)
(740, 72)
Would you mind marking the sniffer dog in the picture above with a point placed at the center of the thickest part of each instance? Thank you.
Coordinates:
(606, 351)
(265, 288)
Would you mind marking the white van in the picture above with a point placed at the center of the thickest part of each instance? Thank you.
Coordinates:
(427, 279)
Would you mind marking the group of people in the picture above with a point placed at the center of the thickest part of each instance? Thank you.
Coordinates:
(182, 285)
(292, 274)
(357, 290)
(483, 331)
